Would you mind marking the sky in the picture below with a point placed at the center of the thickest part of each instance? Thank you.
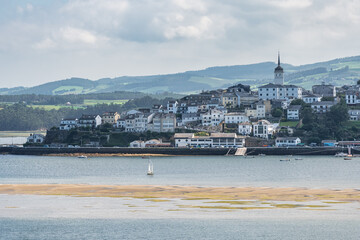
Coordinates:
(43, 41)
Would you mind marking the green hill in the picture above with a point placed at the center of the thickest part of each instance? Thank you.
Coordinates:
(339, 72)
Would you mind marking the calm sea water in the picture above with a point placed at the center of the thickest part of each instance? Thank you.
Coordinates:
(177, 229)
(264, 171)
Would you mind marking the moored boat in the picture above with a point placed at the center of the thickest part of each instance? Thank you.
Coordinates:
(341, 154)
(285, 160)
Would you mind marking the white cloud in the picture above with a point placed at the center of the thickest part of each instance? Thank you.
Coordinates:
(196, 5)
(27, 8)
(45, 44)
(160, 36)
(75, 35)
(93, 7)
(200, 30)
(288, 4)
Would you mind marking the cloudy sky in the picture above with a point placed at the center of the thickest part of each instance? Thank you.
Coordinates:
(43, 40)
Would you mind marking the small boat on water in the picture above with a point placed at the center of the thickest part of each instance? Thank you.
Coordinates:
(82, 156)
(341, 154)
(347, 158)
(261, 154)
(285, 160)
(298, 159)
(150, 168)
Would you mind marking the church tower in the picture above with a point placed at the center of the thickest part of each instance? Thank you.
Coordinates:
(279, 73)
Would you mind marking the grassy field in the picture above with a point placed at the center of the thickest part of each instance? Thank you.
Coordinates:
(56, 107)
(350, 124)
(19, 133)
(289, 124)
(87, 102)
(68, 90)
(91, 102)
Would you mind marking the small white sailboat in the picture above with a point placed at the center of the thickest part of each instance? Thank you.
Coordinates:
(150, 168)
(82, 156)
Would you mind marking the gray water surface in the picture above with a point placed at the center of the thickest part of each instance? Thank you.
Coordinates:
(263, 171)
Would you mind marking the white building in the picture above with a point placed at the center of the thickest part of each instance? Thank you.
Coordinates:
(162, 122)
(172, 106)
(130, 123)
(354, 115)
(36, 138)
(137, 144)
(157, 108)
(121, 123)
(91, 121)
(142, 120)
(245, 128)
(226, 140)
(310, 98)
(69, 123)
(287, 141)
(352, 97)
(260, 109)
(322, 107)
(236, 117)
(190, 117)
(263, 129)
(276, 91)
(293, 112)
(212, 118)
(250, 112)
(192, 108)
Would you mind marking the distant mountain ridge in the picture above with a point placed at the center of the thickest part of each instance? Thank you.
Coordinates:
(337, 71)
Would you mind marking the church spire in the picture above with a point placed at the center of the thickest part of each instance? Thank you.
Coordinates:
(279, 72)
(278, 58)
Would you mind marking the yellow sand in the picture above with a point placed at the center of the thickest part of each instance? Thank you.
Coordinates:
(184, 192)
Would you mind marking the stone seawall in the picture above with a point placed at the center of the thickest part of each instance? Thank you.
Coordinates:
(175, 151)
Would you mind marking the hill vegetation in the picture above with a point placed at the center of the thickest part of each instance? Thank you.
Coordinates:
(337, 72)
(20, 117)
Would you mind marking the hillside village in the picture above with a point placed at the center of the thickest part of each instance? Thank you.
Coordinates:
(231, 117)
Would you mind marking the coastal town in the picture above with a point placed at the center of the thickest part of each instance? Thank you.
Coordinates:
(234, 117)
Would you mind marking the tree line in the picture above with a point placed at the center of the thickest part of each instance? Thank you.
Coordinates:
(20, 117)
(39, 99)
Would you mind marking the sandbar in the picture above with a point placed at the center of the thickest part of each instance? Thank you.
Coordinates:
(184, 192)
(107, 155)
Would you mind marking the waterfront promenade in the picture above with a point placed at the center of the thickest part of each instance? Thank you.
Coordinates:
(173, 151)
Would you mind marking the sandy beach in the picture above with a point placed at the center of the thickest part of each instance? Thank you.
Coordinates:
(108, 155)
(184, 192)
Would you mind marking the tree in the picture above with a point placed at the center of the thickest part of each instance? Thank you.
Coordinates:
(339, 113)
(298, 102)
(323, 99)
(277, 112)
(358, 82)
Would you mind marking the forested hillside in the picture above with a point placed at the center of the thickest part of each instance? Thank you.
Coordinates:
(20, 117)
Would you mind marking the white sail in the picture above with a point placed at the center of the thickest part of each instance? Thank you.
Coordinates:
(150, 168)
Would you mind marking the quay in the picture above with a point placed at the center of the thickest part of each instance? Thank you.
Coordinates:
(176, 151)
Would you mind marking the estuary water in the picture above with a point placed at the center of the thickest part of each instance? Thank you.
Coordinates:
(64, 217)
(260, 171)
